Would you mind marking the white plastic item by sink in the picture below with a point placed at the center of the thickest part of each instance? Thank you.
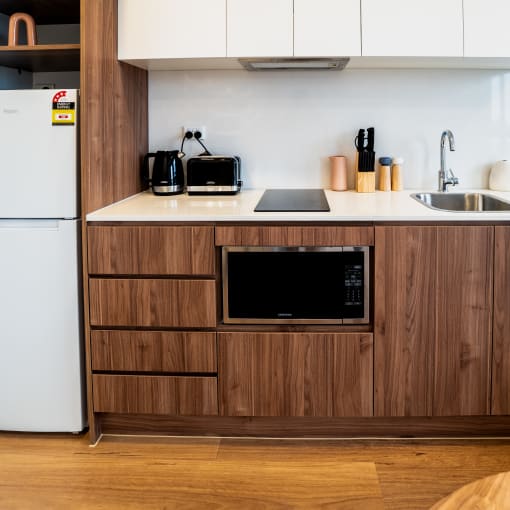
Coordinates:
(499, 178)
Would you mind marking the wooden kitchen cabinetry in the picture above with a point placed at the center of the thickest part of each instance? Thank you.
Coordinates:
(433, 320)
(501, 345)
(162, 361)
(295, 374)
(399, 28)
(486, 28)
(43, 57)
(142, 278)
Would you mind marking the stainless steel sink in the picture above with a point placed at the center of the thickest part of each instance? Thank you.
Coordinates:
(463, 202)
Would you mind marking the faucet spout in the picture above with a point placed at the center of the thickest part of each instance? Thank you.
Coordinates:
(446, 178)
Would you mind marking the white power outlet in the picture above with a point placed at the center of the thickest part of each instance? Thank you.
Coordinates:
(202, 130)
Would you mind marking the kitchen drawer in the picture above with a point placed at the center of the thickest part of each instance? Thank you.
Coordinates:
(154, 351)
(151, 250)
(177, 396)
(294, 236)
(152, 303)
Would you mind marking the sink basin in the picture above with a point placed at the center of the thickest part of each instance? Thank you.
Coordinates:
(463, 202)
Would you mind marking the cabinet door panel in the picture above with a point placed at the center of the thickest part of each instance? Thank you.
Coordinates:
(153, 351)
(486, 31)
(171, 29)
(259, 29)
(461, 379)
(327, 28)
(294, 236)
(146, 249)
(300, 374)
(178, 396)
(152, 303)
(404, 319)
(501, 347)
(403, 28)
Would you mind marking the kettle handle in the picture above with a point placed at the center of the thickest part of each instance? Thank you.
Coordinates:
(144, 173)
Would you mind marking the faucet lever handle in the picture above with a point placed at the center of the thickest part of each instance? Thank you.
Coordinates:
(451, 176)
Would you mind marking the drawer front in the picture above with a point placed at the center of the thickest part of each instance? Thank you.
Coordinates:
(152, 303)
(151, 250)
(154, 351)
(294, 236)
(177, 396)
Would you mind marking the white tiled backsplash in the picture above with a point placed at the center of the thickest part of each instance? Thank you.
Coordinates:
(285, 124)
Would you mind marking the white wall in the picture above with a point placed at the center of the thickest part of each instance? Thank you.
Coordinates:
(284, 125)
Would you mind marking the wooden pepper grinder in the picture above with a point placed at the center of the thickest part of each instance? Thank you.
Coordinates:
(385, 174)
(14, 26)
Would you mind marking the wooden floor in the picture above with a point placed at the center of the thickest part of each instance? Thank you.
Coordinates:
(64, 472)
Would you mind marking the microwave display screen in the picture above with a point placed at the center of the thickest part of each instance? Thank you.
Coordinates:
(265, 285)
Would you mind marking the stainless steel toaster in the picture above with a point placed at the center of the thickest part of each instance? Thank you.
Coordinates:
(214, 175)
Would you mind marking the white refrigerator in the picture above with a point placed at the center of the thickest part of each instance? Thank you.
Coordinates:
(41, 346)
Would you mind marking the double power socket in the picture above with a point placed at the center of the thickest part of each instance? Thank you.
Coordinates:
(193, 130)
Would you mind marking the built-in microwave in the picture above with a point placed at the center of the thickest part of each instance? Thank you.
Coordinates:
(296, 285)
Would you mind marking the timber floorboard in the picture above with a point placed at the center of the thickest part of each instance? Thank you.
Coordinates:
(62, 472)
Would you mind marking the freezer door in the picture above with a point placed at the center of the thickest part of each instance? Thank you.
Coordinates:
(41, 368)
(38, 161)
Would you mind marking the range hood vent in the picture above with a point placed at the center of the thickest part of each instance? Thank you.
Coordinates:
(294, 64)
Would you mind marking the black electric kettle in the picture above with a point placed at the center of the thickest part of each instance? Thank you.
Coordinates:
(167, 172)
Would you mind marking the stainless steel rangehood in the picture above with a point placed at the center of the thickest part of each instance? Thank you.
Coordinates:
(294, 64)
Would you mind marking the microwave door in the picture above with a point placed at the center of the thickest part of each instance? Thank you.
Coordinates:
(283, 285)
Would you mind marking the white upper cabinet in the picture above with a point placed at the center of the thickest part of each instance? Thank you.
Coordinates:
(415, 28)
(486, 28)
(259, 28)
(152, 29)
(327, 28)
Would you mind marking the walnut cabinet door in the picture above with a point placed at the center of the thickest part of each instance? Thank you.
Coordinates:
(295, 374)
(433, 320)
(501, 347)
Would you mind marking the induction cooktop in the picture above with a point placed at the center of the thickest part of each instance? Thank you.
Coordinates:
(293, 200)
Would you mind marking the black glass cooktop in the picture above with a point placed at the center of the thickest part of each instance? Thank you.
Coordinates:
(290, 200)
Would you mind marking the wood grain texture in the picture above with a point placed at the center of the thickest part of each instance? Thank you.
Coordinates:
(433, 302)
(413, 474)
(491, 493)
(152, 303)
(270, 235)
(463, 342)
(501, 334)
(165, 474)
(151, 250)
(55, 471)
(190, 396)
(153, 351)
(299, 426)
(114, 105)
(404, 320)
(301, 374)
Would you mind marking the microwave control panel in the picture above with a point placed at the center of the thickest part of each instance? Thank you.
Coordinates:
(353, 285)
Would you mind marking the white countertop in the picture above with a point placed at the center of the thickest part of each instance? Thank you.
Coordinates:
(345, 206)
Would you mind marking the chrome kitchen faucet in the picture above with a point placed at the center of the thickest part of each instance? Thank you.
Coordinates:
(446, 178)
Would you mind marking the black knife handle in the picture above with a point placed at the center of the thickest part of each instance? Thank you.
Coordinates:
(370, 138)
(359, 141)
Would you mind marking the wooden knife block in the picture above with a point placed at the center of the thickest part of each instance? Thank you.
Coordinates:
(365, 182)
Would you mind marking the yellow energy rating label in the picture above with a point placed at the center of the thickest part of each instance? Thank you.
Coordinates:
(63, 111)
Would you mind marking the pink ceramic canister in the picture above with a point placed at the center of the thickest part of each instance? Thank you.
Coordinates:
(338, 173)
